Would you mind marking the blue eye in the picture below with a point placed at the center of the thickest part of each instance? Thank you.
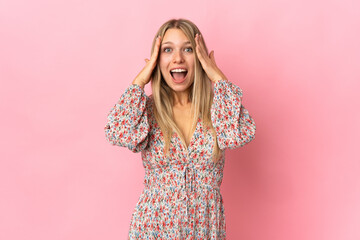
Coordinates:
(186, 49)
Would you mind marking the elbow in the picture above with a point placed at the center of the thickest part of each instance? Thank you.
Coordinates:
(137, 145)
(243, 137)
(135, 140)
(109, 136)
(249, 133)
(250, 136)
(112, 136)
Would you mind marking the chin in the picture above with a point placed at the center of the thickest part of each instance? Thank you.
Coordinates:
(179, 88)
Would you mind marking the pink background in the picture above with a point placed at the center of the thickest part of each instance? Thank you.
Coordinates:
(64, 64)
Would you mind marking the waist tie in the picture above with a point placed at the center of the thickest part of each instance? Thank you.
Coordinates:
(187, 187)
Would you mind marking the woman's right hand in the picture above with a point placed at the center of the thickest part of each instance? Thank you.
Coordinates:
(144, 76)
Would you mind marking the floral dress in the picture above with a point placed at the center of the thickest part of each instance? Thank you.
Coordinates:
(181, 199)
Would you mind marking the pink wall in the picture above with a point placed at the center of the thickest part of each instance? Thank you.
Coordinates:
(64, 64)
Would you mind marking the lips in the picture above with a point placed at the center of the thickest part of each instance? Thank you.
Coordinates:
(180, 75)
(184, 73)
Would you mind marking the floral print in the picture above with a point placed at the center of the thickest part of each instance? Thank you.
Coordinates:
(181, 199)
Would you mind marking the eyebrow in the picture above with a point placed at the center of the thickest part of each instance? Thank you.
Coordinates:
(171, 42)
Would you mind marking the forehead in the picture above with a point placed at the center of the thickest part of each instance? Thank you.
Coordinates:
(175, 36)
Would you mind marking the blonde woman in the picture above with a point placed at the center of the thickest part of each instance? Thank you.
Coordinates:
(181, 130)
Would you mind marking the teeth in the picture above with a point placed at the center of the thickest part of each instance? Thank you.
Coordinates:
(178, 70)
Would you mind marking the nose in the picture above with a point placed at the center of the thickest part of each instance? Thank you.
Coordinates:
(178, 57)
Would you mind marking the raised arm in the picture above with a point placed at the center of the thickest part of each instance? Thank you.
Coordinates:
(233, 125)
(127, 123)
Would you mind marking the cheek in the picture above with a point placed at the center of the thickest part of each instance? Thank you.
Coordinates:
(164, 62)
(191, 62)
(162, 66)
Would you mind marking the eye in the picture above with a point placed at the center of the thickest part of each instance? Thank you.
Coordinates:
(165, 49)
(190, 49)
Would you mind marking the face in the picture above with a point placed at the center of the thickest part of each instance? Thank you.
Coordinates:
(176, 52)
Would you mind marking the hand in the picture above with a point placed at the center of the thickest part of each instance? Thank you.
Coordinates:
(208, 62)
(144, 76)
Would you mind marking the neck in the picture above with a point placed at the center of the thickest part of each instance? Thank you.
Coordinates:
(181, 99)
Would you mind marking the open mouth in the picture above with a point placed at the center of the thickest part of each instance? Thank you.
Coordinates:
(179, 76)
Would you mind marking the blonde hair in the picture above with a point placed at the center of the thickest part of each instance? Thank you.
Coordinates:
(201, 91)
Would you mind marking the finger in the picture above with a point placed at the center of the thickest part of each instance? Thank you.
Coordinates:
(156, 48)
(201, 49)
(212, 56)
(202, 46)
(199, 52)
(198, 47)
(146, 60)
(203, 57)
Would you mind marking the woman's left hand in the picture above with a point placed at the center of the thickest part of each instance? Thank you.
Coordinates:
(208, 62)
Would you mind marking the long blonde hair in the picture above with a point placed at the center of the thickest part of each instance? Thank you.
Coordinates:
(201, 91)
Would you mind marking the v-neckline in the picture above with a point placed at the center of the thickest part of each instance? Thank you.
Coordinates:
(191, 139)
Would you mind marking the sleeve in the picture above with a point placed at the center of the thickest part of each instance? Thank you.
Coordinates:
(233, 125)
(127, 123)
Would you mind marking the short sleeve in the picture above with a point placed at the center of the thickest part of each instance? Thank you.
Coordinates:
(233, 124)
(127, 122)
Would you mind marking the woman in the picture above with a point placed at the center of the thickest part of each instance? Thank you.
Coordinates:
(181, 130)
